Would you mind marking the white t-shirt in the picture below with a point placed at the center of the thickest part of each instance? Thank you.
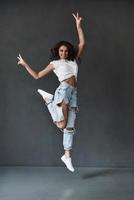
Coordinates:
(64, 69)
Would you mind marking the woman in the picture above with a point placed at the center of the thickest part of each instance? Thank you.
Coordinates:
(63, 104)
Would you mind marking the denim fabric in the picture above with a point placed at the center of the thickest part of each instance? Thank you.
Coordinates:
(64, 92)
(68, 134)
(67, 93)
(68, 139)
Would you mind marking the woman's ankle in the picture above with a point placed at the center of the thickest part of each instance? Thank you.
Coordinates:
(67, 154)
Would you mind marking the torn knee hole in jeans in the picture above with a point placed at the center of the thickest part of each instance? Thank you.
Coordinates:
(70, 129)
(63, 102)
(74, 109)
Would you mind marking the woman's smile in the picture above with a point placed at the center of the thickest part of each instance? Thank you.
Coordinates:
(63, 52)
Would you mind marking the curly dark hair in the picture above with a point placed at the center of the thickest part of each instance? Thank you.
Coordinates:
(55, 50)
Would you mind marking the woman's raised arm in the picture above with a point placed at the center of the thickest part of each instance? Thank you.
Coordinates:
(35, 75)
(81, 44)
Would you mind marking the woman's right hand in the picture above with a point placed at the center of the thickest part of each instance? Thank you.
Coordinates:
(21, 61)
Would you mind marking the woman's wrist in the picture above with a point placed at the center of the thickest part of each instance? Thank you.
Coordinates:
(25, 65)
(78, 26)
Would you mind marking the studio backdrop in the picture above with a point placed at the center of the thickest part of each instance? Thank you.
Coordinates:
(105, 121)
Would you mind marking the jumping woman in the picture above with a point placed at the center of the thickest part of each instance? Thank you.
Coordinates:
(63, 104)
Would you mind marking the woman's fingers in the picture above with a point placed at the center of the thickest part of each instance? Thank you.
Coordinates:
(20, 59)
(77, 17)
(20, 55)
(19, 62)
(74, 15)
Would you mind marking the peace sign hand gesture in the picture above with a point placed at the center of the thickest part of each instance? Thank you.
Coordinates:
(78, 19)
(21, 61)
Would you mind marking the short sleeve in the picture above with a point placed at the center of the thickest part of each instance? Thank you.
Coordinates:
(54, 63)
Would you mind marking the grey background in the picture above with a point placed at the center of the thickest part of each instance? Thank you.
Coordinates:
(105, 123)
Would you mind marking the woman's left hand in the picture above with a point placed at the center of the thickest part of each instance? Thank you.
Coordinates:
(77, 19)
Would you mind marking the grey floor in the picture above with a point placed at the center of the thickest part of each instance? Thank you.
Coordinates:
(57, 183)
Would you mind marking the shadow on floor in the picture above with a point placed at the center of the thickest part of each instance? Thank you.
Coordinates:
(106, 172)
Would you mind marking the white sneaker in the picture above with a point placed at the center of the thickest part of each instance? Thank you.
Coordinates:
(68, 163)
(46, 96)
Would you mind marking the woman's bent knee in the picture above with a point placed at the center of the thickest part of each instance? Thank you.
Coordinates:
(61, 125)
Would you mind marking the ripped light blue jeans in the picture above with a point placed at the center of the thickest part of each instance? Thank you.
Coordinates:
(67, 93)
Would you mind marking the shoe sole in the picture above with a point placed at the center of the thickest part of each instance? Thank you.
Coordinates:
(45, 94)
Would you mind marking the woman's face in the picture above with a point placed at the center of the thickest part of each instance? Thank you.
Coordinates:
(63, 52)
